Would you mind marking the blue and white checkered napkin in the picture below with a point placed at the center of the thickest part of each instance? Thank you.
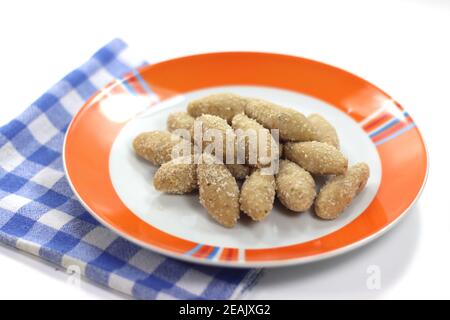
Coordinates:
(40, 214)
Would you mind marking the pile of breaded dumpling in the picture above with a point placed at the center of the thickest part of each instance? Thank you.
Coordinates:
(308, 147)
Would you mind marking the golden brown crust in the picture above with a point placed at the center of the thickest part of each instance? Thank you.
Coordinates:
(218, 191)
(156, 146)
(339, 191)
(270, 149)
(292, 125)
(179, 120)
(295, 187)
(257, 195)
(316, 157)
(326, 133)
(223, 105)
(177, 176)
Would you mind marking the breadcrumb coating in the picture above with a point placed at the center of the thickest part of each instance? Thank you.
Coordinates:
(263, 157)
(179, 120)
(156, 146)
(326, 133)
(339, 191)
(223, 105)
(295, 187)
(293, 125)
(218, 191)
(177, 176)
(257, 195)
(316, 157)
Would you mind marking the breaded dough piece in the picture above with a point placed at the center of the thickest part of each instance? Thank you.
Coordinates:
(210, 122)
(293, 125)
(326, 133)
(239, 171)
(223, 105)
(295, 187)
(257, 195)
(218, 191)
(179, 120)
(156, 146)
(316, 157)
(270, 147)
(339, 191)
(177, 176)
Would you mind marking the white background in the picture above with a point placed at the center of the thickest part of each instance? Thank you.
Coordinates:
(401, 46)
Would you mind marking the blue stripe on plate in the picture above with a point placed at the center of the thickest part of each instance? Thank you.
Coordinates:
(142, 81)
(128, 86)
(396, 134)
(213, 253)
(385, 127)
(194, 250)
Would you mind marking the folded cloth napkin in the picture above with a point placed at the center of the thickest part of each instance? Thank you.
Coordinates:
(39, 213)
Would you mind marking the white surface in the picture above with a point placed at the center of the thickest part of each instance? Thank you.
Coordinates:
(401, 46)
(281, 227)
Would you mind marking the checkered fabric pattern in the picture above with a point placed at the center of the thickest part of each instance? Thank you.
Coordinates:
(40, 214)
